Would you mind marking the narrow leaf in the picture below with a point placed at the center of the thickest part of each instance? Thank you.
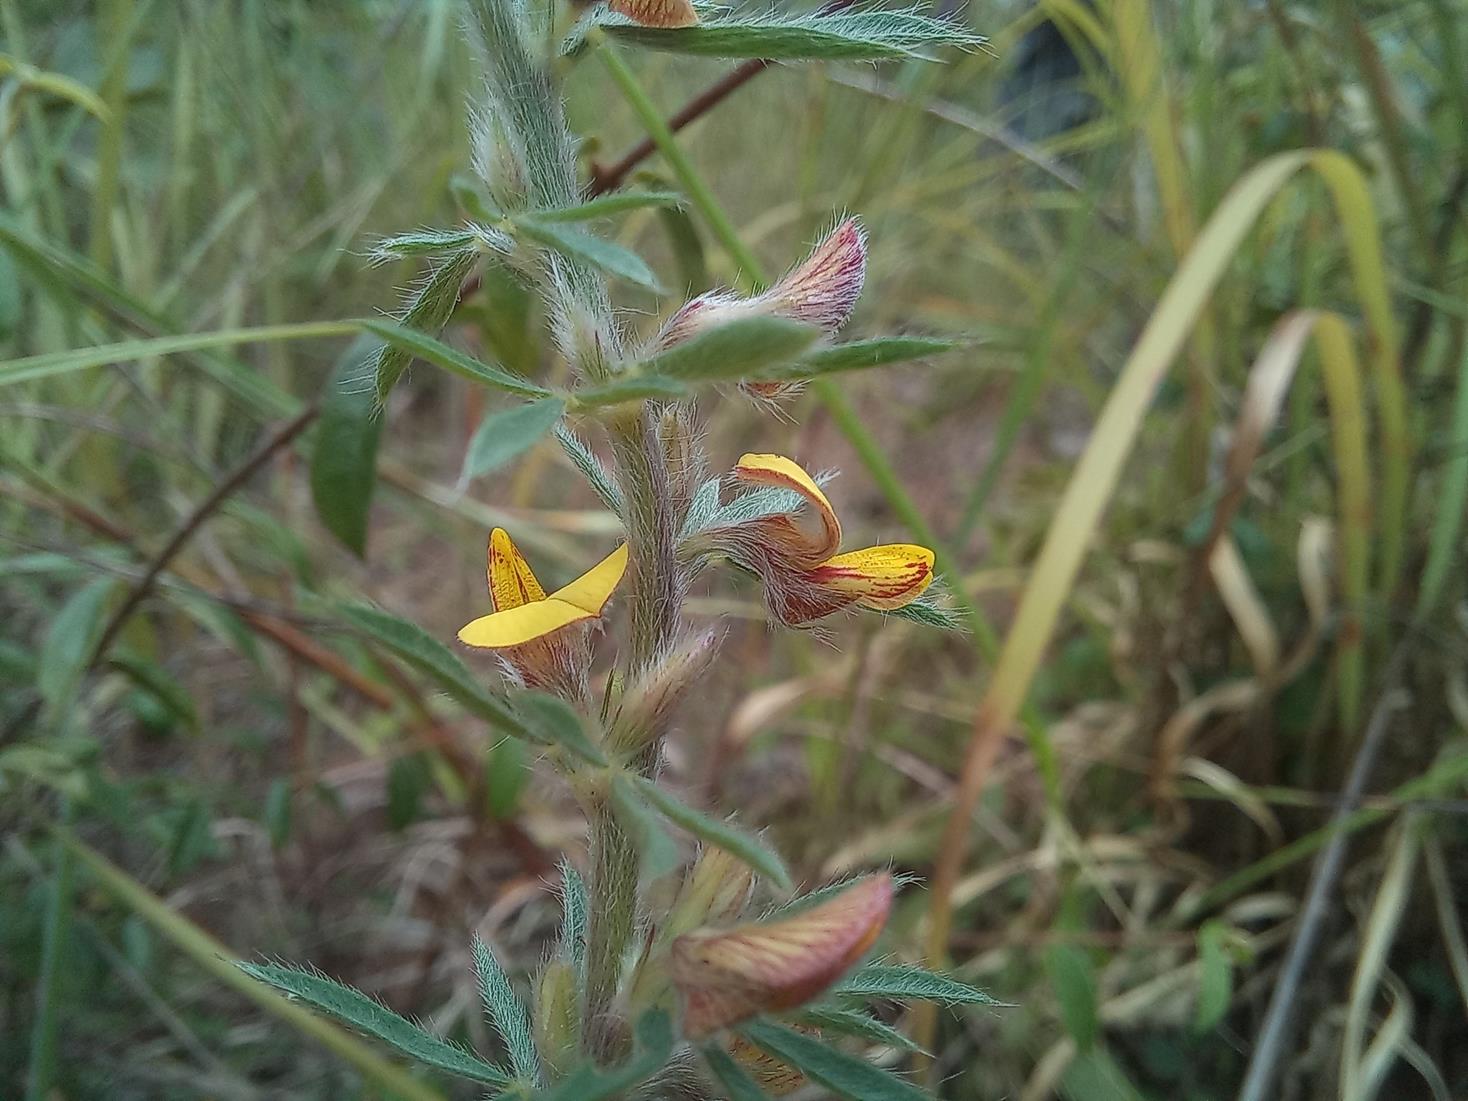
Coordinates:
(898, 981)
(1073, 976)
(160, 684)
(610, 258)
(413, 343)
(436, 242)
(574, 908)
(617, 203)
(734, 1078)
(839, 1072)
(550, 720)
(659, 852)
(1215, 979)
(721, 835)
(429, 656)
(507, 1013)
(851, 1022)
(507, 433)
(344, 451)
(358, 1010)
(740, 348)
(429, 309)
(72, 635)
(597, 476)
(862, 354)
(632, 388)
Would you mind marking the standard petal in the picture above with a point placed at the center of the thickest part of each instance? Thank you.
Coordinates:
(777, 470)
(728, 976)
(823, 290)
(591, 591)
(511, 580)
(884, 578)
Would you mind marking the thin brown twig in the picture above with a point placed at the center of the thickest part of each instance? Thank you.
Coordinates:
(222, 492)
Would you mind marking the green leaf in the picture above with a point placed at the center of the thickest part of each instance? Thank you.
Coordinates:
(827, 1066)
(436, 242)
(734, 1078)
(1215, 980)
(1073, 976)
(550, 720)
(860, 355)
(10, 298)
(428, 310)
(600, 253)
(597, 476)
(741, 348)
(408, 778)
(931, 611)
(159, 683)
(659, 852)
(721, 835)
(344, 451)
(506, 1012)
(574, 910)
(505, 774)
(429, 656)
(632, 388)
(1095, 1075)
(617, 203)
(413, 343)
(808, 36)
(70, 640)
(852, 1022)
(358, 1010)
(654, 1034)
(506, 433)
(900, 982)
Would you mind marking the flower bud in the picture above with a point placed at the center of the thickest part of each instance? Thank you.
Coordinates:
(556, 1014)
(648, 705)
(728, 976)
(715, 891)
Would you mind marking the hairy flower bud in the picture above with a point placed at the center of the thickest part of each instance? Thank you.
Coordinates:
(556, 1008)
(684, 456)
(649, 703)
(715, 891)
(728, 976)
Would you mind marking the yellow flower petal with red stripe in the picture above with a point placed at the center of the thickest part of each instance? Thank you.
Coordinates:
(515, 624)
(884, 578)
(777, 470)
(511, 580)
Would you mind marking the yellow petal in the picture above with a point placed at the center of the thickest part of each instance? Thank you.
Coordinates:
(583, 598)
(884, 578)
(777, 470)
(592, 589)
(511, 580)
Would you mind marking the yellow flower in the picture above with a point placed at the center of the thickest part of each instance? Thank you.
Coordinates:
(804, 577)
(528, 629)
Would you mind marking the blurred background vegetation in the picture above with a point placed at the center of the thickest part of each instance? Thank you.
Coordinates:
(1142, 848)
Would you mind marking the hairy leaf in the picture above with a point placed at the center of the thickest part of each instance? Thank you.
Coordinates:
(900, 981)
(637, 387)
(507, 1013)
(600, 253)
(597, 476)
(852, 1022)
(859, 355)
(550, 720)
(428, 311)
(344, 451)
(414, 343)
(436, 242)
(721, 835)
(617, 203)
(574, 909)
(740, 348)
(506, 433)
(358, 1010)
(659, 852)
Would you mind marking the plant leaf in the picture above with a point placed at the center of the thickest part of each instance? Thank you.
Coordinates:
(631, 388)
(506, 433)
(550, 720)
(361, 1012)
(429, 656)
(852, 1022)
(70, 640)
(844, 1074)
(597, 476)
(617, 203)
(344, 451)
(740, 348)
(1073, 976)
(574, 908)
(900, 981)
(413, 343)
(808, 36)
(506, 1012)
(610, 258)
(859, 355)
(429, 309)
(436, 242)
(734, 1078)
(659, 852)
(160, 684)
(1215, 980)
(654, 1033)
(721, 835)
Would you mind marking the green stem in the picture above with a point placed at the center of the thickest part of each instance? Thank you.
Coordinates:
(615, 868)
(53, 948)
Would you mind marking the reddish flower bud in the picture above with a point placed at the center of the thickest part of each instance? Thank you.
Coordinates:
(728, 976)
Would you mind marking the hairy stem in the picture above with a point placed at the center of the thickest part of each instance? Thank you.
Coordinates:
(613, 888)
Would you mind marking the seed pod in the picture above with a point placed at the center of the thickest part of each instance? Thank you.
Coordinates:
(555, 1014)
